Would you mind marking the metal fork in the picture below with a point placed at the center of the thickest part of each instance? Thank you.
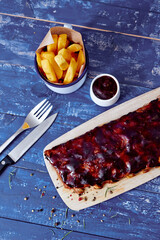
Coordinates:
(34, 117)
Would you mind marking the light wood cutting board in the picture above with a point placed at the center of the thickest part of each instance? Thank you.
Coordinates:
(92, 196)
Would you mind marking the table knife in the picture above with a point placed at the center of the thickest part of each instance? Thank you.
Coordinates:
(26, 143)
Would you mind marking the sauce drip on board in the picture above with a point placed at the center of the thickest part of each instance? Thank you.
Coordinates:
(104, 87)
(112, 151)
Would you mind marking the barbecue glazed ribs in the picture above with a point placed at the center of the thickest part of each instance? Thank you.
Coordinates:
(110, 152)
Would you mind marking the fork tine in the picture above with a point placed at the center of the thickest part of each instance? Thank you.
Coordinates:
(41, 109)
(39, 115)
(42, 117)
(36, 108)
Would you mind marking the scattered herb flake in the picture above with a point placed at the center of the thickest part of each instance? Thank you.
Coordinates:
(52, 231)
(129, 220)
(66, 235)
(110, 210)
(66, 214)
(84, 225)
(114, 215)
(62, 224)
(109, 189)
(121, 199)
(11, 174)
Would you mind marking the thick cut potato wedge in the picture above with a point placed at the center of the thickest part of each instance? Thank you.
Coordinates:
(50, 56)
(62, 63)
(53, 47)
(49, 71)
(62, 41)
(66, 53)
(70, 72)
(64, 60)
(80, 60)
(75, 47)
(38, 56)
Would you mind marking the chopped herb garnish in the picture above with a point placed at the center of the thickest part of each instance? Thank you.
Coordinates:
(11, 174)
(66, 235)
(62, 224)
(84, 225)
(109, 189)
(52, 231)
(114, 215)
(51, 215)
(121, 199)
(66, 214)
(110, 210)
(129, 220)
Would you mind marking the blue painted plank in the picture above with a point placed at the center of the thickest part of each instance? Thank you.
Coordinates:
(134, 17)
(145, 4)
(10, 229)
(133, 215)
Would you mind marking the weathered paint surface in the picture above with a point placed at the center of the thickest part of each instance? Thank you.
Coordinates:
(134, 60)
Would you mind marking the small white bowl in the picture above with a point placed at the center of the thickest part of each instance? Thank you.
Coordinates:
(105, 102)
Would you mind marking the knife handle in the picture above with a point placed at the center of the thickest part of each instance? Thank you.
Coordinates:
(6, 161)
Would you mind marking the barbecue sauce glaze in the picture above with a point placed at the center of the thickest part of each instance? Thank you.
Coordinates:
(112, 151)
(104, 87)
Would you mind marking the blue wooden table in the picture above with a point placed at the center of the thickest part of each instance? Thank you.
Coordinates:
(122, 38)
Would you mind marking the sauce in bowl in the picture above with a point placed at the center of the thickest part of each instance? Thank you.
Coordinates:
(104, 87)
(104, 90)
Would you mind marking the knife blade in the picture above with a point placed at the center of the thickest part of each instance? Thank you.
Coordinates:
(26, 143)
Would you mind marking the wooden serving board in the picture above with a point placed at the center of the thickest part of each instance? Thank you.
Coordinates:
(92, 196)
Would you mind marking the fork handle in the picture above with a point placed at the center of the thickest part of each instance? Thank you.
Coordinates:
(9, 140)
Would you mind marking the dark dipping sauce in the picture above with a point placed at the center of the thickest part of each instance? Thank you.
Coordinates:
(105, 87)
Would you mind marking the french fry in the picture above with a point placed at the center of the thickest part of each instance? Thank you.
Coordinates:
(49, 71)
(66, 53)
(75, 47)
(62, 41)
(53, 47)
(74, 55)
(80, 60)
(64, 74)
(38, 57)
(50, 56)
(62, 63)
(67, 43)
(70, 72)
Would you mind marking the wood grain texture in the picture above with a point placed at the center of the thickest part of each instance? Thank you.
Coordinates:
(25, 231)
(140, 18)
